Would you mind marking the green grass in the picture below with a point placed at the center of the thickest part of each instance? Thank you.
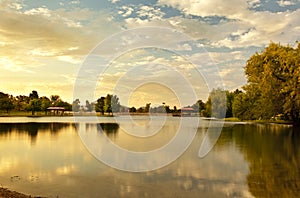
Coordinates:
(15, 114)
(232, 119)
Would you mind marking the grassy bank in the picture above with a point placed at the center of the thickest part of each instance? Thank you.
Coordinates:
(5, 193)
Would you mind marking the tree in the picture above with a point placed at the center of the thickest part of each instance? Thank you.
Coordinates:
(89, 106)
(45, 103)
(230, 97)
(115, 104)
(6, 102)
(76, 105)
(107, 104)
(216, 104)
(99, 106)
(54, 100)
(132, 110)
(199, 107)
(34, 95)
(147, 108)
(274, 82)
(21, 102)
(34, 105)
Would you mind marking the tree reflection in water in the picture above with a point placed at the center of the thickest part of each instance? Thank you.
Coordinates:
(273, 153)
(110, 129)
(31, 129)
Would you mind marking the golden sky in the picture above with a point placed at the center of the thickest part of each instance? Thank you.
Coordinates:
(44, 44)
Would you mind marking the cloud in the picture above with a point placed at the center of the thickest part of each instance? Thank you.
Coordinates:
(208, 8)
(264, 25)
(41, 32)
(150, 13)
(284, 3)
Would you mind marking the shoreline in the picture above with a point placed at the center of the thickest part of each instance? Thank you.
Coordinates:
(6, 193)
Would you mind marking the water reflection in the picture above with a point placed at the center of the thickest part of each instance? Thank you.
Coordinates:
(110, 129)
(249, 160)
(273, 153)
(31, 129)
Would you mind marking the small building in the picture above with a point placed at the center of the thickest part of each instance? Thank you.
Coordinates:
(187, 111)
(56, 110)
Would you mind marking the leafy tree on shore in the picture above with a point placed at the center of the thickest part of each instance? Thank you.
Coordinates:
(6, 102)
(99, 106)
(107, 104)
(273, 85)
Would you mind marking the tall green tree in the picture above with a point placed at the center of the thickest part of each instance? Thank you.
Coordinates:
(107, 104)
(273, 85)
(99, 106)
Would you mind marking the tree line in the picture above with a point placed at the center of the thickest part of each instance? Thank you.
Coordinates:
(32, 102)
(272, 92)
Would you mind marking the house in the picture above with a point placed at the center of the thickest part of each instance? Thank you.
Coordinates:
(56, 110)
(187, 111)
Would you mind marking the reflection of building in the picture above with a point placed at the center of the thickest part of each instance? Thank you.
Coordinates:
(56, 110)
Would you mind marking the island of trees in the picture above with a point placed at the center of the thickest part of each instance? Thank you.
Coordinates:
(272, 92)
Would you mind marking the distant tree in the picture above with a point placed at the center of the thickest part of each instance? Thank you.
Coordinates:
(66, 105)
(21, 102)
(147, 108)
(140, 110)
(89, 106)
(175, 109)
(55, 99)
(45, 103)
(6, 102)
(115, 104)
(34, 95)
(107, 104)
(199, 107)
(34, 105)
(76, 105)
(216, 104)
(132, 110)
(167, 109)
(99, 106)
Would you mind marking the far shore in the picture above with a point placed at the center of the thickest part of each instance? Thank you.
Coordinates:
(98, 114)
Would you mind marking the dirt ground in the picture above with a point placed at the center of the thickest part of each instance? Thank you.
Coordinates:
(5, 193)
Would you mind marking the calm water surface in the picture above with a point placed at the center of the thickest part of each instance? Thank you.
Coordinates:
(45, 156)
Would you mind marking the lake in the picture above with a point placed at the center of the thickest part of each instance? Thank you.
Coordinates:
(45, 156)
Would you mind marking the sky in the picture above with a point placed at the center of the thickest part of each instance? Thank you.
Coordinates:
(156, 51)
